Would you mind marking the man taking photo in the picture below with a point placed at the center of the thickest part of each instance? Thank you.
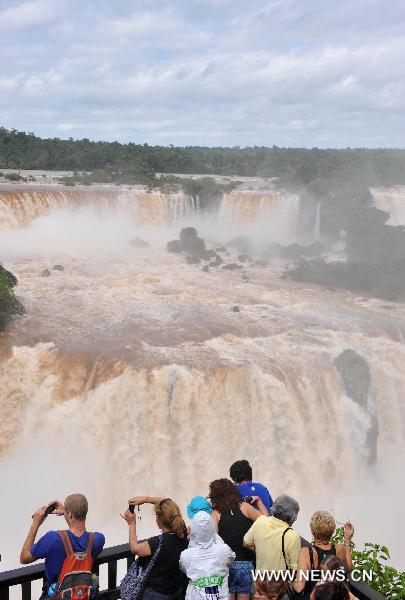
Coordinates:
(55, 546)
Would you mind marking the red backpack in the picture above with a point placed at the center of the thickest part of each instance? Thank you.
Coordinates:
(75, 580)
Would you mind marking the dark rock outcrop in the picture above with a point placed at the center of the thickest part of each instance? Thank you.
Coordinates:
(46, 273)
(205, 269)
(235, 308)
(193, 260)
(356, 378)
(232, 266)
(174, 246)
(58, 268)
(191, 243)
(295, 251)
(139, 243)
(261, 263)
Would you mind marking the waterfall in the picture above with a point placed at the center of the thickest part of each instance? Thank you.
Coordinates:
(279, 210)
(318, 221)
(392, 200)
(131, 373)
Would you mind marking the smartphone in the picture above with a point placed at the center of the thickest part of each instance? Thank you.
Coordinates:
(249, 499)
(131, 508)
(51, 508)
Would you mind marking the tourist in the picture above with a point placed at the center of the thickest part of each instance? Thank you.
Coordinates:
(242, 475)
(269, 589)
(332, 569)
(331, 590)
(205, 562)
(166, 581)
(197, 504)
(322, 526)
(52, 545)
(277, 545)
(234, 518)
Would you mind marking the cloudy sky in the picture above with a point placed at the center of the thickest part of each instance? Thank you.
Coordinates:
(321, 73)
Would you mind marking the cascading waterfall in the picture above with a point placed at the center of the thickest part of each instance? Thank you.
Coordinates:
(392, 200)
(19, 209)
(279, 210)
(131, 373)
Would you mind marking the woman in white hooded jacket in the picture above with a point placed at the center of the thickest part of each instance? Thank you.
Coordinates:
(206, 561)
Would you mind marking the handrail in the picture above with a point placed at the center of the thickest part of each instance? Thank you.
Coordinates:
(24, 575)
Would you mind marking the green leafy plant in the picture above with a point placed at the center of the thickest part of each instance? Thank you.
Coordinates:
(373, 557)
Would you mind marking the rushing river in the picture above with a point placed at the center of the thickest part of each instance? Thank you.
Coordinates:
(132, 372)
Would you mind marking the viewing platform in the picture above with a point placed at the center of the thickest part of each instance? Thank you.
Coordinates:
(110, 556)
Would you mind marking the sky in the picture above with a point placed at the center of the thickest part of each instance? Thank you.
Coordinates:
(322, 73)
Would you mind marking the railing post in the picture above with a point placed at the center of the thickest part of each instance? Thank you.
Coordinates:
(112, 575)
(130, 560)
(4, 592)
(26, 590)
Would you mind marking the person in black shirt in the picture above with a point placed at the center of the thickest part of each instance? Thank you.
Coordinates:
(166, 581)
(234, 518)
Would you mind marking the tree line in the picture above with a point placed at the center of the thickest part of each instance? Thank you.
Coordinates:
(138, 163)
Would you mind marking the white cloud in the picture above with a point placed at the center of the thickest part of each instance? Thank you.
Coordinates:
(27, 14)
(238, 74)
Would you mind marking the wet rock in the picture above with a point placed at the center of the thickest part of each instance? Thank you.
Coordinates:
(58, 268)
(174, 246)
(193, 260)
(139, 243)
(232, 266)
(355, 374)
(191, 242)
(220, 248)
(205, 269)
(261, 263)
(46, 273)
(235, 308)
(244, 258)
(245, 277)
(242, 243)
(295, 251)
(356, 378)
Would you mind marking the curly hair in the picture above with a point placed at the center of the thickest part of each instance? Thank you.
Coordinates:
(224, 496)
(274, 590)
(170, 517)
(322, 526)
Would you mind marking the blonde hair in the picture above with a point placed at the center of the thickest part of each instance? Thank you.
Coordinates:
(170, 517)
(322, 526)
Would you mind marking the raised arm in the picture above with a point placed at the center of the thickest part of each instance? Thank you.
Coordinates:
(344, 550)
(38, 518)
(137, 548)
(138, 500)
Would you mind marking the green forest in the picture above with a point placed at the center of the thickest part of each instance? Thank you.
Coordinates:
(138, 163)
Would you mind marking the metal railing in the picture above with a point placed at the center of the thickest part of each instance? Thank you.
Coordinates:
(25, 575)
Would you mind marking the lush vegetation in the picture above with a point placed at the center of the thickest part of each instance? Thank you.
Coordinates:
(133, 163)
(9, 305)
(373, 557)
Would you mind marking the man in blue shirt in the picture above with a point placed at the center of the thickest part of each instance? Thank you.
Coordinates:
(50, 546)
(241, 474)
